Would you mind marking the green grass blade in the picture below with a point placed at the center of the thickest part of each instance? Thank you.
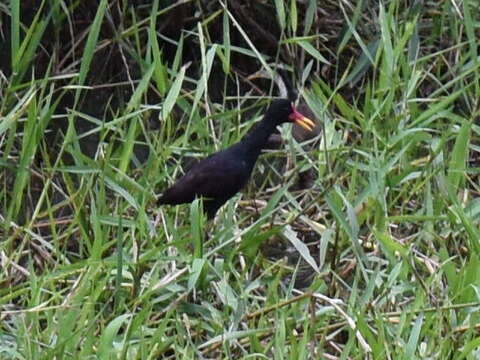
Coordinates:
(173, 93)
(459, 157)
(15, 31)
(90, 46)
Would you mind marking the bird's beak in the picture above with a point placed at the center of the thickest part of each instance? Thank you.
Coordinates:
(301, 120)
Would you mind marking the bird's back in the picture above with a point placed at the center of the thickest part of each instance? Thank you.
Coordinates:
(218, 177)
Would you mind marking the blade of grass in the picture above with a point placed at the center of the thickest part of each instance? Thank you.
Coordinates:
(15, 31)
(458, 161)
(89, 49)
(173, 93)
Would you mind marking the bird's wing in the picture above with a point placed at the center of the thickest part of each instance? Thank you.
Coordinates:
(213, 177)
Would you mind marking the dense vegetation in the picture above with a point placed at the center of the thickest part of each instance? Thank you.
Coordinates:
(361, 242)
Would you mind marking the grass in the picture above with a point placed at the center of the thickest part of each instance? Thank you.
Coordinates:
(103, 105)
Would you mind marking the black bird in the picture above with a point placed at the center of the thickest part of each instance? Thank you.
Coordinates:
(221, 175)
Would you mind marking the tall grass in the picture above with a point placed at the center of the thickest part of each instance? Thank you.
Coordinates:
(378, 259)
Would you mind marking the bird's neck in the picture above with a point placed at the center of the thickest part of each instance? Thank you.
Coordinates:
(254, 141)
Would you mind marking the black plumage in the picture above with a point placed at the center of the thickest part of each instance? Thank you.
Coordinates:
(221, 175)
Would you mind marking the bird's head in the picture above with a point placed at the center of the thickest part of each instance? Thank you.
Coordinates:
(283, 110)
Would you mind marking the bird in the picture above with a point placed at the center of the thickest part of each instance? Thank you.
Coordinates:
(221, 175)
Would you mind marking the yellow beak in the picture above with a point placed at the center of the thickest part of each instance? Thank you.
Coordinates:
(301, 120)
